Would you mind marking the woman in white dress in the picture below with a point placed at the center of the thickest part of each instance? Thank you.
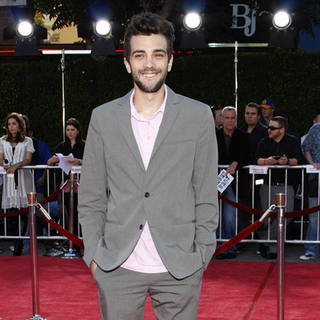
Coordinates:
(16, 151)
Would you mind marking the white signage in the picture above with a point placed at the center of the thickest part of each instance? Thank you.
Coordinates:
(5, 3)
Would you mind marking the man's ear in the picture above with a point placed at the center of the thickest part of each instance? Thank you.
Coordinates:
(127, 65)
(170, 63)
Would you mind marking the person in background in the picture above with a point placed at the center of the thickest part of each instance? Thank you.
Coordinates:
(268, 108)
(279, 148)
(234, 151)
(253, 126)
(311, 151)
(16, 151)
(216, 111)
(40, 156)
(74, 144)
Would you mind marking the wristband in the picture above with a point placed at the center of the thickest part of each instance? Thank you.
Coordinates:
(288, 162)
(265, 161)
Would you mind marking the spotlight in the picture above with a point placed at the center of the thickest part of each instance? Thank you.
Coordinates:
(102, 28)
(192, 21)
(282, 33)
(282, 20)
(25, 29)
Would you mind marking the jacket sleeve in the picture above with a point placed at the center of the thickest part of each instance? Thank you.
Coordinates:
(92, 203)
(205, 186)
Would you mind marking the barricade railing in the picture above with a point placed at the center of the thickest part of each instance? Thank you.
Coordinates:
(249, 205)
(55, 187)
(262, 175)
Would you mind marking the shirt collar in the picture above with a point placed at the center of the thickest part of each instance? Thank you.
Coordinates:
(137, 115)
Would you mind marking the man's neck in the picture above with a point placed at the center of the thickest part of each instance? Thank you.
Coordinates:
(228, 132)
(268, 119)
(147, 104)
(278, 139)
(251, 127)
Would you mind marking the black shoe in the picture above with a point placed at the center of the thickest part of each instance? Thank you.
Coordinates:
(263, 250)
(272, 255)
(221, 256)
(231, 255)
(18, 245)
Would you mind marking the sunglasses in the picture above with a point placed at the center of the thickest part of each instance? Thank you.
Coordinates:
(274, 128)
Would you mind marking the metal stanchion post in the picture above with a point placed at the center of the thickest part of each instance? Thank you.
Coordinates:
(72, 253)
(280, 199)
(34, 257)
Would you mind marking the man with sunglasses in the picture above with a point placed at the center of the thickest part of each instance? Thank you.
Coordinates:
(279, 148)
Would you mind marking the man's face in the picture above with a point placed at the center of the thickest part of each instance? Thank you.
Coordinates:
(251, 116)
(217, 117)
(267, 113)
(149, 63)
(275, 134)
(229, 120)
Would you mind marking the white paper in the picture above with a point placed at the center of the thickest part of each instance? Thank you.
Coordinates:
(223, 181)
(64, 163)
(312, 169)
(76, 169)
(258, 169)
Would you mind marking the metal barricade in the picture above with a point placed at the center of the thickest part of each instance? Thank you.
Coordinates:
(256, 181)
(54, 175)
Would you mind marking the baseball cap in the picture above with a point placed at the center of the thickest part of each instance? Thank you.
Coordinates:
(267, 103)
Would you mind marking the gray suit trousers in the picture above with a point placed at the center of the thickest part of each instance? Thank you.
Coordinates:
(123, 294)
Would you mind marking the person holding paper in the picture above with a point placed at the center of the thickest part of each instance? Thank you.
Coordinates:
(234, 151)
(16, 151)
(74, 144)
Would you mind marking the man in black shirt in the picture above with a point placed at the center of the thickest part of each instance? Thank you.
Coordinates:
(279, 148)
(234, 151)
(256, 129)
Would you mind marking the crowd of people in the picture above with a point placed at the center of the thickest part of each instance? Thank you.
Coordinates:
(265, 140)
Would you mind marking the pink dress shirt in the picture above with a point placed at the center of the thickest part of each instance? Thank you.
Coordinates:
(145, 258)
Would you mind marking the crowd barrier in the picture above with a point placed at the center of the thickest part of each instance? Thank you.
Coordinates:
(248, 205)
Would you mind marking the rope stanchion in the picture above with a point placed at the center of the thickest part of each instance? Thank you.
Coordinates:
(59, 228)
(43, 201)
(32, 198)
(244, 233)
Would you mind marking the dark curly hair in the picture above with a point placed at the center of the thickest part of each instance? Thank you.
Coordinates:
(21, 134)
(146, 24)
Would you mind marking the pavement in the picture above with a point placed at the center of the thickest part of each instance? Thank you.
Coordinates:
(292, 252)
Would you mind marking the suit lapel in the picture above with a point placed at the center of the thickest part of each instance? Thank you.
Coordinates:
(124, 120)
(170, 113)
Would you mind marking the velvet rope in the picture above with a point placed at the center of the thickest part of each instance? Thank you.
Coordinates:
(66, 233)
(43, 201)
(237, 238)
(273, 215)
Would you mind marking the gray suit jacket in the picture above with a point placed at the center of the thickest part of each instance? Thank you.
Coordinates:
(177, 194)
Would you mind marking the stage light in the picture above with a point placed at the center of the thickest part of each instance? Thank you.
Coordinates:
(192, 21)
(282, 20)
(102, 28)
(25, 29)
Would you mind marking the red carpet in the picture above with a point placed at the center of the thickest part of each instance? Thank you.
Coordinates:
(232, 290)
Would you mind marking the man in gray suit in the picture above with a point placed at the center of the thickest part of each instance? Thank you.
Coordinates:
(148, 196)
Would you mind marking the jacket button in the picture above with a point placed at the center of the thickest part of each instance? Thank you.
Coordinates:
(147, 194)
(141, 226)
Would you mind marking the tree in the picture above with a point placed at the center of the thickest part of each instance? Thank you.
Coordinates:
(70, 12)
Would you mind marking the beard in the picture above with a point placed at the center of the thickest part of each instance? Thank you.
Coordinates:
(147, 88)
